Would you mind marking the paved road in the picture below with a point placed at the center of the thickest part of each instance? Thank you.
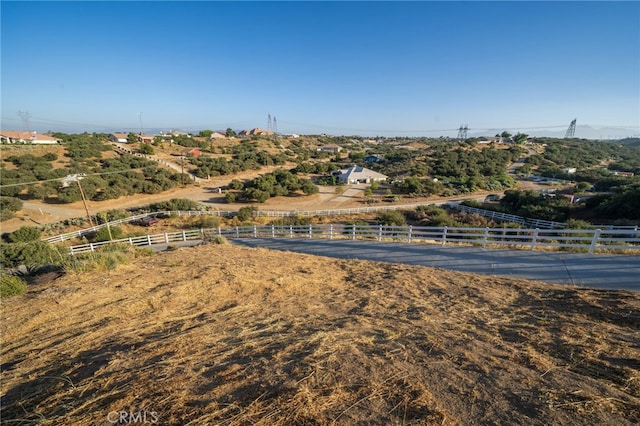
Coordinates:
(597, 270)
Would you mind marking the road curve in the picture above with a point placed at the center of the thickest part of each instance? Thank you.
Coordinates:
(610, 272)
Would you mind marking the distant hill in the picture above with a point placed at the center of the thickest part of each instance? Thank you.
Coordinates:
(582, 132)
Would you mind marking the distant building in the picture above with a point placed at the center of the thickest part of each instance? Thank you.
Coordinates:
(218, 135)
(119, 137)
(357, 175)
(256, 132)
(624, 174)
(334, 149)
(144, 138)
(569, 170)
(12, 136)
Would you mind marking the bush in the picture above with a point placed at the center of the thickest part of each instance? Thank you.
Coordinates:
(392, 218)
(108, 233)
(8, 206)
(33, 253)
(24, 235)
(246, 213)
(218, 239)
(11, 286)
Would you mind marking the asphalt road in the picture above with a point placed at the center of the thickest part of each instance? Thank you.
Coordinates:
(612, 272)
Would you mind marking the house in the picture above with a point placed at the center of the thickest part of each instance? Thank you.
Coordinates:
(119, 137)
(334, 149)
(12, 136)
(144, 138)
(256, 132)
(357, 175)
(624, 174)
(192, 151)
(218, 135)
(569, 170)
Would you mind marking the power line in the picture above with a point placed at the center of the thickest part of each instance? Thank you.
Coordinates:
(84, 175)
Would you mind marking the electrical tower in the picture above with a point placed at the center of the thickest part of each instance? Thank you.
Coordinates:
(139, 114)
(275, 125)
(26, 120)
(571, 130)
(462, 132)
(268, 121)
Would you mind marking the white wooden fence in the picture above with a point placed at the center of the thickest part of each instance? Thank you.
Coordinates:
(590, 241)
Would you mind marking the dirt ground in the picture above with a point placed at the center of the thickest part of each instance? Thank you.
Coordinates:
(226, 335)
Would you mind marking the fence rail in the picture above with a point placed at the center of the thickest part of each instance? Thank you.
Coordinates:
(590, 241)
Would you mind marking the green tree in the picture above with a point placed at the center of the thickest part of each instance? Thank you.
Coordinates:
(520, 138)
(8, 206)
(205, 133)
(505, 134)
(230, 133)
(24, 235)
(392, 218)
(146, 149)
(246, 213)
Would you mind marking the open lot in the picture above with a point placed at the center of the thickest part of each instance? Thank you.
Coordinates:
(231, 335)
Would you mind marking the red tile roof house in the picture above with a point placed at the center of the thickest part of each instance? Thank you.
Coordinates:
(11, 136)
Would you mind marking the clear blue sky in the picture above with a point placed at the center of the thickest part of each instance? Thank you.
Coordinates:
(370, 68)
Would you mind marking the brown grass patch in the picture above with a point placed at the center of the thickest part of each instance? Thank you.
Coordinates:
(235, 336)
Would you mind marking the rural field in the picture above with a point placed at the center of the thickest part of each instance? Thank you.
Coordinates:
(220, 334)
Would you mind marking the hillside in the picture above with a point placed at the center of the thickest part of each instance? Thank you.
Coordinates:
(221, 334)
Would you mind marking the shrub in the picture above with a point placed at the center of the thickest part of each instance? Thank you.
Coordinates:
(218, 239)
(8, 206)
(392, 218)
(207, 222)
(108, 233)
(30, 254)
(11, 285)
(246, 213)
(24, 235)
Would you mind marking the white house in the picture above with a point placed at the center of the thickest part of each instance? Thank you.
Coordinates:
(119, 137)
(12, 136)
(569, 170)
(357, 175)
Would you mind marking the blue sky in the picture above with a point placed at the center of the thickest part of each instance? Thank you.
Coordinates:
(369, 68)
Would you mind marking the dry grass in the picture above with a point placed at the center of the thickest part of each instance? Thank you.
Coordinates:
(237, 336)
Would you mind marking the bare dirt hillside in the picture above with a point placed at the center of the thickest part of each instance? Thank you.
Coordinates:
(235, 336)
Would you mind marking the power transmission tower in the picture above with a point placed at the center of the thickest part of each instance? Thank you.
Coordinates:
(140, 117)
(26, 120)
(571, 130)
(275, 125)
(462, 132)
(269, 122)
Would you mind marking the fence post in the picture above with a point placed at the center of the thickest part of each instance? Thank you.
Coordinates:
(166, 238)
(444, 235)
(310, 231)
(486, 236)
(91, 246)
(410, 236)
(255, 231)
(380, 232)
(290, 231)
(534, 239)
(353, 232)
(331, 231)
(594, 241)
(219, 231)
(237, 232)
(273, 231)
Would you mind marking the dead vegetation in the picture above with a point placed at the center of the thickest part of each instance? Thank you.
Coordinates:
(235, 336)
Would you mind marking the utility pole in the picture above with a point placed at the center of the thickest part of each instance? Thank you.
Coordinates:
(84, 201)
(66, 181)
